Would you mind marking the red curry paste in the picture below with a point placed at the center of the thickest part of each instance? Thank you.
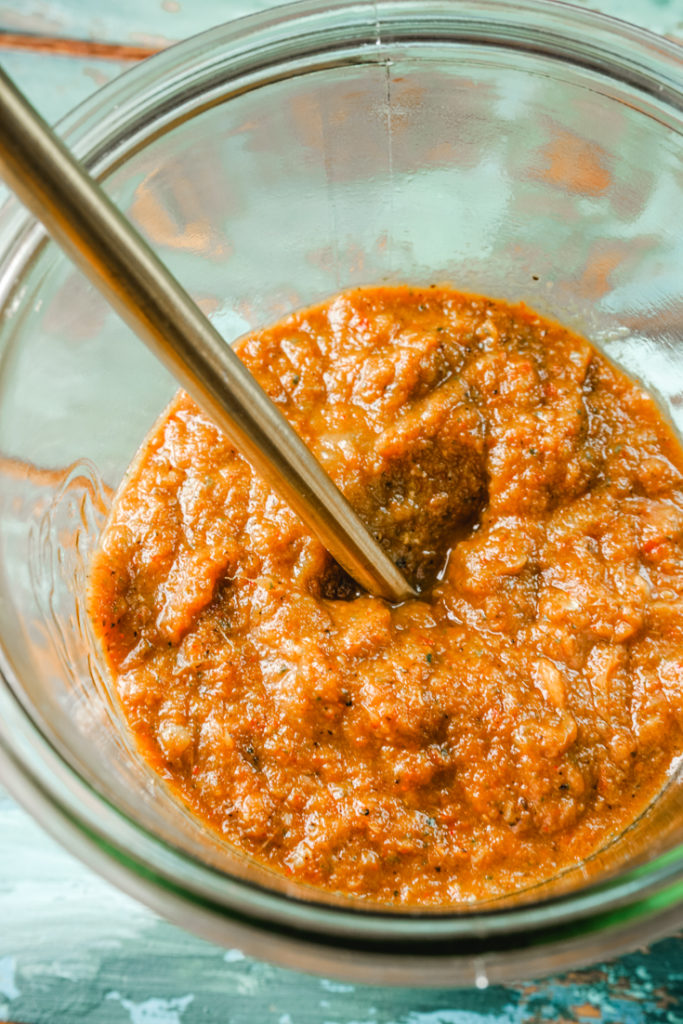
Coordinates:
(460, 746)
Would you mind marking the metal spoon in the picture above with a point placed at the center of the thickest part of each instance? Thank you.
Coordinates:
(113, 256)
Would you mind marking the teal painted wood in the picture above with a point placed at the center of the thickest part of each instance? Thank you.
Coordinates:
(133, 22)
(155, 22)
(72, 948)
(56, 83)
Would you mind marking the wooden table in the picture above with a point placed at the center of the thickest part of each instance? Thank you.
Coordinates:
(72, 948)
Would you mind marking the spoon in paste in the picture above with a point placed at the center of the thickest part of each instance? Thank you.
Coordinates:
(103, 244)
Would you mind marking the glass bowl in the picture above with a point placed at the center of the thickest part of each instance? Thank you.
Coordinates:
(523, 150)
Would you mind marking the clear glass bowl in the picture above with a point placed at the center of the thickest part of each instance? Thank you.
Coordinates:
(524, 150)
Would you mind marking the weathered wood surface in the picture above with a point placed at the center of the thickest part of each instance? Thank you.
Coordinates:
(156, 22)
(72, 948)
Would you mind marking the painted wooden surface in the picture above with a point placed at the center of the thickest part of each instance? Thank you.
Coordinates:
(72, 948)
(155, 22)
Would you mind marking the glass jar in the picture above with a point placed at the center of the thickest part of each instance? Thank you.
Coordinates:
(523, 150)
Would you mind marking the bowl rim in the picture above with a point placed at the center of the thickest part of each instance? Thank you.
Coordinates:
(82, 818)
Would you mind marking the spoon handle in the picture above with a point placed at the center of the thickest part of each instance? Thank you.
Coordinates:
(110, 252)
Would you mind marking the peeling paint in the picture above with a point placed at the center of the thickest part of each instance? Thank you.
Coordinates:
(510, 1015)
(233, 956)
(154, 1011)
(8, 971)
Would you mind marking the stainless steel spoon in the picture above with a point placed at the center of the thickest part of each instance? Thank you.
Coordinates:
(113, 256)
